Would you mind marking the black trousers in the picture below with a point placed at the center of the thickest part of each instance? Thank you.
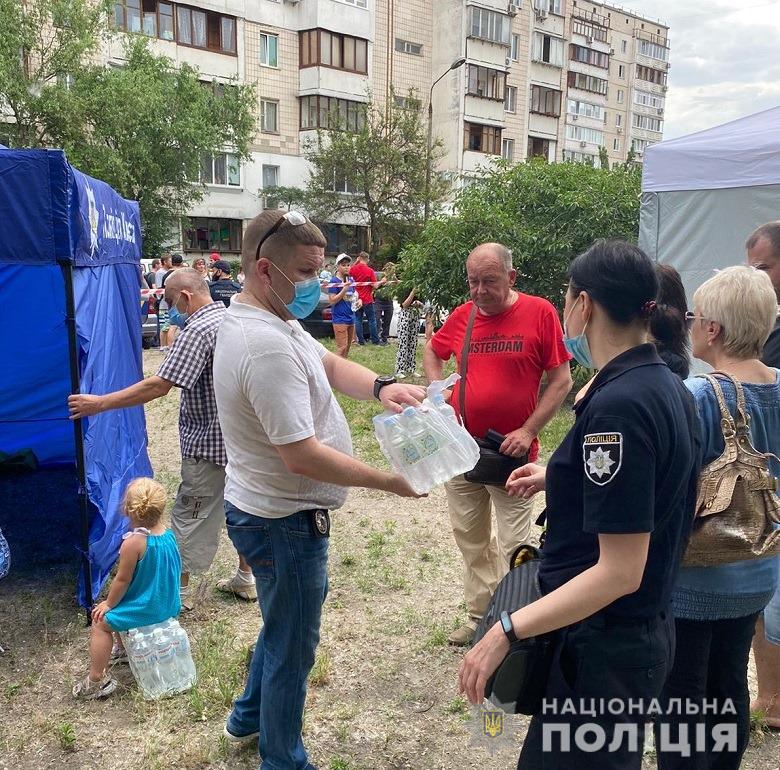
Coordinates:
(600, 662)
(711, 664)
(384, 313)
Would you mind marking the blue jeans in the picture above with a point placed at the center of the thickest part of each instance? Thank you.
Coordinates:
(371, 316)
(290, 566)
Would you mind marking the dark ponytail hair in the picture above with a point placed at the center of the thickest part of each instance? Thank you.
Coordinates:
(619, 276)
(667, 324)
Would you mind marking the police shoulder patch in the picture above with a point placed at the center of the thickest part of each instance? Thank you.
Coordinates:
(602, 454)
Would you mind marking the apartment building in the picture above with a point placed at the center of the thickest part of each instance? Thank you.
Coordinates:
(558, 79)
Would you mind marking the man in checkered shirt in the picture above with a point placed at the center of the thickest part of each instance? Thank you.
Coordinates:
(199, 512)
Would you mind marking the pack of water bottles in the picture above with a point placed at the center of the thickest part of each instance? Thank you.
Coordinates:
(160, 659)
(427, 445)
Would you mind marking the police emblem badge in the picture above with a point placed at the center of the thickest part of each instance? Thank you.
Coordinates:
(602, 454)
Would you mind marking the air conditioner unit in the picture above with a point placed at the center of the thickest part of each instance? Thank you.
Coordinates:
(511, 9)
(620, 130)
(583, 144)
(611, 51)
(507, 61)
(575, 117)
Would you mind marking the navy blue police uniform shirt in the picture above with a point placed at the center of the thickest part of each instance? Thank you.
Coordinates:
(629, 465)
(223, 290)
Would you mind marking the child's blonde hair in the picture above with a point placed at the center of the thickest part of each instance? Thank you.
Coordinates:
(144, 501)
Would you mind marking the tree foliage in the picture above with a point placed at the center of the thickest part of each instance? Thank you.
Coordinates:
(545, 213)
(142, 127)
(383, 164)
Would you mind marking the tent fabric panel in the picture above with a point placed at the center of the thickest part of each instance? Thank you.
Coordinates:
(742, 153)
(36, 380)
(108, 324)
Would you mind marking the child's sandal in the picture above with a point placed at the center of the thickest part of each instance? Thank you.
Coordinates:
(88, 690)
(118, 655)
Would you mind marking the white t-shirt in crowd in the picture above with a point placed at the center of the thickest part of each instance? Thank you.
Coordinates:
(272, 389)
(158, 276)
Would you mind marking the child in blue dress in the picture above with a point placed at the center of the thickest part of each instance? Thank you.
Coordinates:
(145, 589)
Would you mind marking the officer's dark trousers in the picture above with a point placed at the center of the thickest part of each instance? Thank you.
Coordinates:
(711, 664)
(597, 662)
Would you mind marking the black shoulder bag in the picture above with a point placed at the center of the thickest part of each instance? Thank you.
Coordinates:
(492, 468)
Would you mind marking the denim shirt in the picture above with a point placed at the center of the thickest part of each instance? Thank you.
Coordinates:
(743, 588)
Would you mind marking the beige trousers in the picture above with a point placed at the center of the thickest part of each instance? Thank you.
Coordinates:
(485, 556)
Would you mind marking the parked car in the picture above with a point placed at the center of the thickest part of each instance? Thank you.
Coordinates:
(150, 327)
(320, 322)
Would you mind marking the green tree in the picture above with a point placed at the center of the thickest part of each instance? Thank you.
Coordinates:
(375, 173)
(546, 213)
(142, 127)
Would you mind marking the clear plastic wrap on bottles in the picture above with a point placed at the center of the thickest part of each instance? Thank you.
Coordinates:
(427, 445)
(160, 659)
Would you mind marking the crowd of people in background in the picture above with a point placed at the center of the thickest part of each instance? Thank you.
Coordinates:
(266, 447)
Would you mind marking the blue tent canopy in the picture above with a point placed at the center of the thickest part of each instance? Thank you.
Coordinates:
(70, 319)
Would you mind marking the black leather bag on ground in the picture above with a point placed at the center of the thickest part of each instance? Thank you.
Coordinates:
(519, 683)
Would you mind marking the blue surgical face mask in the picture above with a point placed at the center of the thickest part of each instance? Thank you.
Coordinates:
(578, 346)
(177, 318)
(305, 298)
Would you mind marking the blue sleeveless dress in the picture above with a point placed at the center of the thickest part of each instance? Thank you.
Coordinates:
(153, 593)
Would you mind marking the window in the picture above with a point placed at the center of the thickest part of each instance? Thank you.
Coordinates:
(545, 101)
(580, 157)
(407, 102)
(479, 138)
(269, 116)
(404, 46)
(486, 83)
(647, 123)
(548, 49)
(653, 50)
(621, 71)
(510, 100)
(200, 29)
(343, 52)
(620, 96)
(588, 56)
(541, 148)
(127, 15)
(207, 234)
(184, 25)
(618, 120)
(332, 114)
(269, 50)
(646, 99)
(341, 184)
(551, 6)
(587, 83)
(583, 134)
(508, 149)
(586, 109)
(588, 29)
(616, 144)
(358, 3)
(515, 50)
(270, 179)
(489, 25)
(223, 168)
(640, 145)
(623, 46)
(650, 75)
(344, 238)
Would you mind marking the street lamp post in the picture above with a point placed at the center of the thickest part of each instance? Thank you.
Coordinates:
(455, 65)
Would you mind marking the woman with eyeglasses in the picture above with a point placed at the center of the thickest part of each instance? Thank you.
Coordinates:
(716, 608)
(620, 495)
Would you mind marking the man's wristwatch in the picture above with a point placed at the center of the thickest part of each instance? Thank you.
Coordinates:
(380, 382)
(506, 624)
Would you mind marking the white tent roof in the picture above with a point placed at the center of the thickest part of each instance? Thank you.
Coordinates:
(743, 153)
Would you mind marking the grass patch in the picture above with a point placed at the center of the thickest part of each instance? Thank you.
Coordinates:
(66, 735)
(339, 763)
(437, 636)
(457, 706)
(320, 672)
(555, 431)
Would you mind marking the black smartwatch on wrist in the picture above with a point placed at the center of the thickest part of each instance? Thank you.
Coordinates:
(380, 382)
(506, 624)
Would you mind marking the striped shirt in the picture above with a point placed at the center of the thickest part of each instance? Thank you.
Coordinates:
(189, 367)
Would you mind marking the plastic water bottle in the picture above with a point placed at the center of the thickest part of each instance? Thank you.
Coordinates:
(166, 660)
(143, 663)
(185, 664)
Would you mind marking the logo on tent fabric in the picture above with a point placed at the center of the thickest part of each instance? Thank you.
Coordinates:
(117, 228)
(93, 219)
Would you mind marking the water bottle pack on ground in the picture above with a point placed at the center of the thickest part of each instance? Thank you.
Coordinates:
(427, 445)
(160, 658)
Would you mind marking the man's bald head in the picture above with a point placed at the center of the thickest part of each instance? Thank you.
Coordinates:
(187, 279)
(491, 277)
(491, 252)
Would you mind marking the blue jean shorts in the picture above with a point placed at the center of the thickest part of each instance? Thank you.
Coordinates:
(772, 618)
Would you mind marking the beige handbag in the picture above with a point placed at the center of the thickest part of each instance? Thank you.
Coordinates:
(737, 505)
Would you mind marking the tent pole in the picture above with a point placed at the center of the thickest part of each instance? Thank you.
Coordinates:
(78, 430)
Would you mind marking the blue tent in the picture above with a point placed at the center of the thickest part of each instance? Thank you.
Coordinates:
(70, 321)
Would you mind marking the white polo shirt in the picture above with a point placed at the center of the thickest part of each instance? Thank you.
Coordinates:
(271, 390)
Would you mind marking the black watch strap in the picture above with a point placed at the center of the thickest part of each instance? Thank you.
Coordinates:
(380, 382)
(506, 624)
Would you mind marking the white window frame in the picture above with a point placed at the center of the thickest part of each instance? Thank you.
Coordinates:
(620, 96)
(649, 99)
(584, 134)
(585, 109)
(227, 184)
(556, 46)
(510, 99)
(268, 36)
(648, 123)
(618, 120)
(622, 71)
(263, 115)
(407, 46)
(653, 50)
(486, 24)
(616, 145)
(508, 149)
(515, 48)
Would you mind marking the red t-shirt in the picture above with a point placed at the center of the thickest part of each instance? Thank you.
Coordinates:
(362, 273)
(508, 354)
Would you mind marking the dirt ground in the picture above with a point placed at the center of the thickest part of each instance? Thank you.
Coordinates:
(383, 692)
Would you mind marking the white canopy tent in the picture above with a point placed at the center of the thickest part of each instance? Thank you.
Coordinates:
(703, 194)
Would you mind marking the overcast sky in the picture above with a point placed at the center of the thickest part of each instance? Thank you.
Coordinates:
(724, 59)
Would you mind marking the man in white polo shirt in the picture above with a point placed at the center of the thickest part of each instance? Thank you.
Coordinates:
(289, 462)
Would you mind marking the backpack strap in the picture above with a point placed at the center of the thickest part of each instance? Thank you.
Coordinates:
(464, 364)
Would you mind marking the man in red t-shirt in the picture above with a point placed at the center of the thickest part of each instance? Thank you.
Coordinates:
(516, 339)
(362, 273)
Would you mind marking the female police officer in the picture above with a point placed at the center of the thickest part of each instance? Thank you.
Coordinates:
(620, 498)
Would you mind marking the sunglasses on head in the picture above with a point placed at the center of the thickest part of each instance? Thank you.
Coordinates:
(295, 218)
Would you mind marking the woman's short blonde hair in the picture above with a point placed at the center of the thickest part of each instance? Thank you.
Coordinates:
(743, 301)
(144, 501)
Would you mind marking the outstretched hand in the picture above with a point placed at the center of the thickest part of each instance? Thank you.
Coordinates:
(526, 481)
